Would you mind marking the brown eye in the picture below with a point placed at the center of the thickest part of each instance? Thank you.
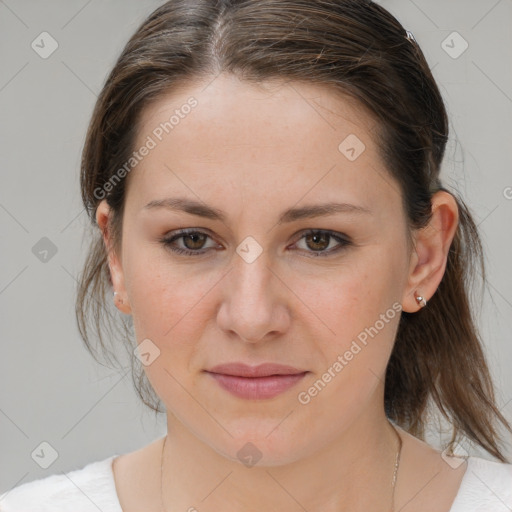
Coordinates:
(317, 242)
(190, 243)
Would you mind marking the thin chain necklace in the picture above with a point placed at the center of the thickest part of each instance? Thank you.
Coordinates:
(393, 481)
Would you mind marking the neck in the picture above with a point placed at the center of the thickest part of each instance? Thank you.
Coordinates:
(352, 472)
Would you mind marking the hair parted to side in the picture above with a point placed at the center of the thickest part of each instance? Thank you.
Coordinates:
(353, 47)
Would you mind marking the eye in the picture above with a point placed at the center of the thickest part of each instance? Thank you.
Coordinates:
(193, 242)
(319, 240)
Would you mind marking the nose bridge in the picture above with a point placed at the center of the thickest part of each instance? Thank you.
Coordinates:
(251, 305)
(251, 284)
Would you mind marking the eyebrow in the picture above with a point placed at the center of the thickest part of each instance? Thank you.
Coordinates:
(291, 214)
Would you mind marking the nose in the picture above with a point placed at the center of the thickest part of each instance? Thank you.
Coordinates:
(254, 302)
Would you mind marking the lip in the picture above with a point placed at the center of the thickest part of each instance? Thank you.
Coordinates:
(256, 382)
(262, 370)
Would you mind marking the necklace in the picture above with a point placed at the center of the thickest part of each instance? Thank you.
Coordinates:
(393, 481)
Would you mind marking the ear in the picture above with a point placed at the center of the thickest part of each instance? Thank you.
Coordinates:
(103, 214)
(430, 253)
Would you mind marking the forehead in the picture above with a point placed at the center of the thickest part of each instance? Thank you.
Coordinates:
(222, 137)
(225, 104)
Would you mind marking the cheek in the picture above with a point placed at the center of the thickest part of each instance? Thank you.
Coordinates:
(161, 290)
(165, 301)
(360, 305)
(354, 296)
(171, 304)
(169, 307)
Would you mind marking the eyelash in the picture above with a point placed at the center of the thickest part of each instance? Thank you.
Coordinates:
(343, 241)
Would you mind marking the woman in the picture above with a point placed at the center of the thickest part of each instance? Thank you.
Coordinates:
(264, 177)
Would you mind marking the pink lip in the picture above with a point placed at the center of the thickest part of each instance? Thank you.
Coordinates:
(256, 382)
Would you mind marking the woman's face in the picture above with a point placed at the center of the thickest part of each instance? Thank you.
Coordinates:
(258, 288)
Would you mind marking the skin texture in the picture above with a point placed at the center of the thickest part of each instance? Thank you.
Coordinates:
(253, 152)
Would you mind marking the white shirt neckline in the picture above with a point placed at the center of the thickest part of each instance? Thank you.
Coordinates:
(476, 484)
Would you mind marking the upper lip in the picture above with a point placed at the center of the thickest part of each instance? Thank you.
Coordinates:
(262, 370)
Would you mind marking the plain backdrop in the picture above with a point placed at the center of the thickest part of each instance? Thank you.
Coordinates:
(52, 391)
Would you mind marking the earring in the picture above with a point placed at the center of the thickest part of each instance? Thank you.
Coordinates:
(120, 300)
(421, 301)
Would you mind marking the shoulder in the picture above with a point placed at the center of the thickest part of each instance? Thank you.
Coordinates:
(486, 487)
(82, 490)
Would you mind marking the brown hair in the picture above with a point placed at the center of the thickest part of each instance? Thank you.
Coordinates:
(354, 47)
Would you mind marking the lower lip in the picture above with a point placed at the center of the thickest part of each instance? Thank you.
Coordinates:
(257, 388)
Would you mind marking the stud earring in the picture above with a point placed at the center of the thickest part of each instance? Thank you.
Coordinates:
(421, 301)
(118, 298)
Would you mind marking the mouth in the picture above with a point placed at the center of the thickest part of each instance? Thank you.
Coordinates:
(256, 382)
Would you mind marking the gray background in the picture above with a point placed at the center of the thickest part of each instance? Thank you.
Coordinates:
(51, 389)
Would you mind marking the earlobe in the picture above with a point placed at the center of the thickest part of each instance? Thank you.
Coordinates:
(121, 304)
(115, 267)
(430, 254)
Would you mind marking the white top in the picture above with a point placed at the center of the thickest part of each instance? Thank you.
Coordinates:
(485, 487)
